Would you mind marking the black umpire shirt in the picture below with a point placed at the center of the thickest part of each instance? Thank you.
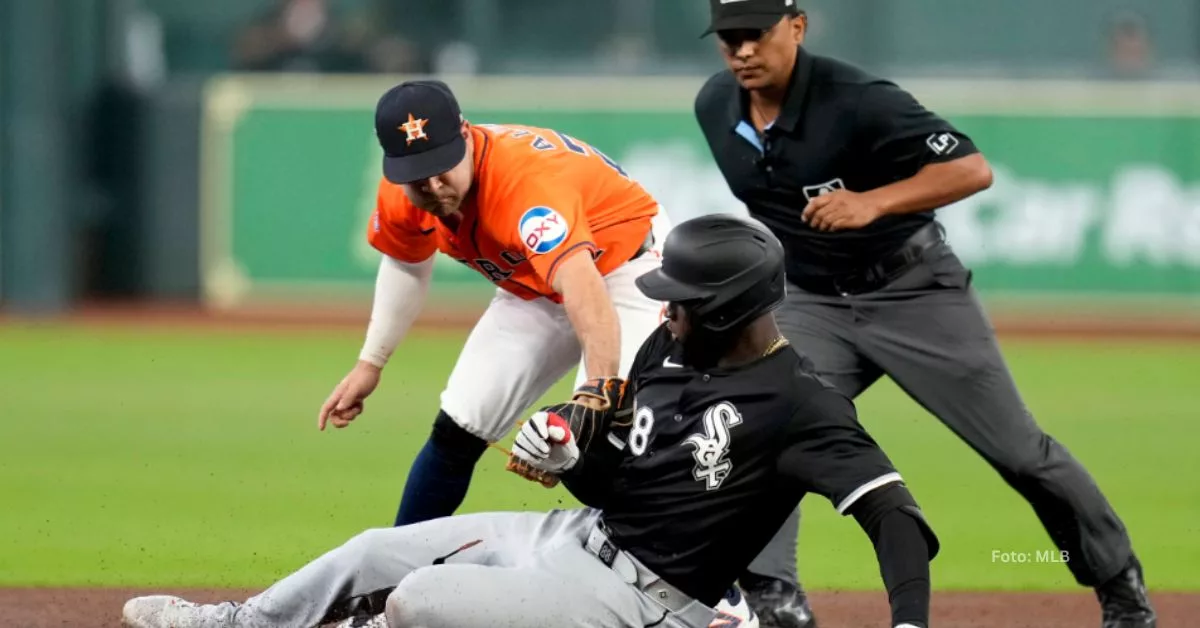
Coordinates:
(838, 127)
(716, 460)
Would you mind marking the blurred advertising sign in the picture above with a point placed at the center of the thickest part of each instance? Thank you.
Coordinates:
(1097, 189)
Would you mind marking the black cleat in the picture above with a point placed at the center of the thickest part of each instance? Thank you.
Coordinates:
(1123, 600)
(778, 604)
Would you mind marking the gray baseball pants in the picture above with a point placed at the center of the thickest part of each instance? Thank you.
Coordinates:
(928, 332)
(488, 570)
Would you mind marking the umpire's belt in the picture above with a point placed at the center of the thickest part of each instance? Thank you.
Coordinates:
(879, 274)
(632, 571)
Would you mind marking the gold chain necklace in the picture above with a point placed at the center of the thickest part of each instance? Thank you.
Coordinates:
(777, 344)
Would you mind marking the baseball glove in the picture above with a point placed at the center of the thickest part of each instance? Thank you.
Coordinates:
(528, 471)
(596, 405)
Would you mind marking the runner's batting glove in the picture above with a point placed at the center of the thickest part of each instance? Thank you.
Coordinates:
(555, 441)
(545, 442)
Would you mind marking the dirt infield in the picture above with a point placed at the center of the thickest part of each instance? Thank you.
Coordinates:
(1077, 324)
(101, 608)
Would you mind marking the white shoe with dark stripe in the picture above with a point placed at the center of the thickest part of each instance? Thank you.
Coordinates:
(168, 611)
(363, 621)
(734, 611)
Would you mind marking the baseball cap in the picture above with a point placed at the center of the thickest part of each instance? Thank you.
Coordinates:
(418, 124)
(755, 14)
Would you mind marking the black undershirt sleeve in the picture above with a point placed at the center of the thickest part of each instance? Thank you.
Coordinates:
(591, 479)
(832, 455)
(904, 545)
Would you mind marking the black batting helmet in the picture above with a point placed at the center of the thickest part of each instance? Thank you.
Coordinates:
(727, 270)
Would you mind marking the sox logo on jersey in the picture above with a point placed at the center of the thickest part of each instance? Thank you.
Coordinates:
(711, 447)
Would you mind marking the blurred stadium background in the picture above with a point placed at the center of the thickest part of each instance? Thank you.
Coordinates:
(176, 150)
(201, 173)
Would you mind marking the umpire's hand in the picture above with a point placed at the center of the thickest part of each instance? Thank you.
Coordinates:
(346, 401)
(839, 210)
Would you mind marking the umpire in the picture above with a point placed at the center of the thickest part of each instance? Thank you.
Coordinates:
(847, 170)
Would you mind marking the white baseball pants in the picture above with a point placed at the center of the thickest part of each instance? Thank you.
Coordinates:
(486, 570)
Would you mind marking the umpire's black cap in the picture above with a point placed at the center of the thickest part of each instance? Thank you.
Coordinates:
(753, 14)
(726, 269)
(418, 124)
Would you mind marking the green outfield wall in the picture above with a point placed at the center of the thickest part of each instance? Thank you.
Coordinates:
(1097, 191)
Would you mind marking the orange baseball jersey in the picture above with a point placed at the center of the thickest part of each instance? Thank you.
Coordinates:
(539, 195)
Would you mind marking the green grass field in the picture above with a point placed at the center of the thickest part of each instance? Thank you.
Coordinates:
(191, 458)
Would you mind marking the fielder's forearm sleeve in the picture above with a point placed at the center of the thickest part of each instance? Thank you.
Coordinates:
(400, 290)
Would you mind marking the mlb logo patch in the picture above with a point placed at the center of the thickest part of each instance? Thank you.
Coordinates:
(942, 143)
(542, 229)
(813, 191)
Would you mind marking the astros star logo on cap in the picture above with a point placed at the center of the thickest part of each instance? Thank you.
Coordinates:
(415, 129)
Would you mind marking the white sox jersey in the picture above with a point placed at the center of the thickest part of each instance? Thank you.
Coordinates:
(716, 460)
(708, 471)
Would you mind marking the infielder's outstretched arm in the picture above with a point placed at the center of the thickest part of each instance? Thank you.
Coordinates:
(400, 291)
(591, 479)
(592, 314)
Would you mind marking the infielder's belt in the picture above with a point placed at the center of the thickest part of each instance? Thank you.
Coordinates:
(632, 571)
(879, 274)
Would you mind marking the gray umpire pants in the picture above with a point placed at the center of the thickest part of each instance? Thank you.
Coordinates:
(928, 332)
(486, 570)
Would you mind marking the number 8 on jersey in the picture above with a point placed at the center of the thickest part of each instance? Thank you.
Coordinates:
(639, 434)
